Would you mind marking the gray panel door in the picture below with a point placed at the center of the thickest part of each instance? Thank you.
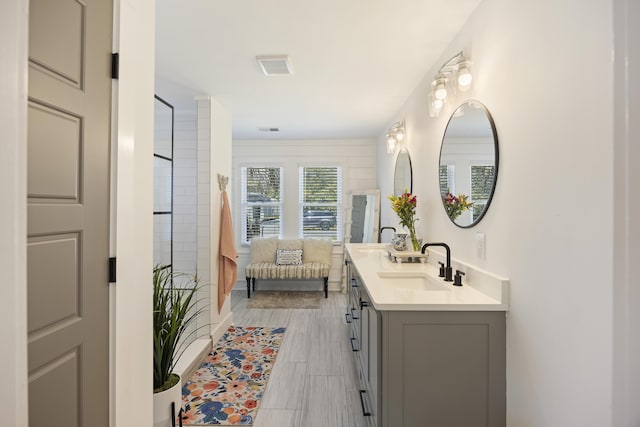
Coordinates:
(68, 212)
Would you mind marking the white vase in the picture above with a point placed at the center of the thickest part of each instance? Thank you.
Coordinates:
(162, 405)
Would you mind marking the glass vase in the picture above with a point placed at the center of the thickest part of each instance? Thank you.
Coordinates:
(416, 242)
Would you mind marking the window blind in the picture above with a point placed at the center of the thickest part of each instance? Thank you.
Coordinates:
(320, 198)
(261, 200)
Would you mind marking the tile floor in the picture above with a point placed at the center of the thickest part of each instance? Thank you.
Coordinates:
(314, 381)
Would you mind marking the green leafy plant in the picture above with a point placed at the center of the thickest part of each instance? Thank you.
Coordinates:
(174, 310)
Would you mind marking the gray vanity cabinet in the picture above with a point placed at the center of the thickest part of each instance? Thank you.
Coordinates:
(428, 368)
(444, 368)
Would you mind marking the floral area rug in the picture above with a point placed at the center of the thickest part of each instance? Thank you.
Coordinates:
(227, 387)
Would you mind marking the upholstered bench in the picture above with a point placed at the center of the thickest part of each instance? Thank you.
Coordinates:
(293, 259)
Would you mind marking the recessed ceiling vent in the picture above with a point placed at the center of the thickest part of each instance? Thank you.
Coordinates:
(269, 129)
(275, 65)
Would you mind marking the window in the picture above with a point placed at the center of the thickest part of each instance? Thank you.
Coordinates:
(321, 202)
(448, 179)
(261, 200)
(482, 177)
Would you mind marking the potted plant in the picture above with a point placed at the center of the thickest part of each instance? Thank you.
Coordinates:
(174, 311)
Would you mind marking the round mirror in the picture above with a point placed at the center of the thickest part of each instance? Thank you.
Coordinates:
(468, 164)
(402, 176)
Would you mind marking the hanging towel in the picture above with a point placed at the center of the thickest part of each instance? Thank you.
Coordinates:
(228, 269)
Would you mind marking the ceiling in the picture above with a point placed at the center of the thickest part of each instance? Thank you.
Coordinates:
(355, 62)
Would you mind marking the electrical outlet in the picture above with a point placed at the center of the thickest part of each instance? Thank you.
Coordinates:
(480, 245)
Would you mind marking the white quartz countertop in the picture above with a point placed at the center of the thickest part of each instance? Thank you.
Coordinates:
(390, 291)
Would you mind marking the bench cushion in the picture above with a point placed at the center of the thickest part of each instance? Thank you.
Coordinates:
(269, 270)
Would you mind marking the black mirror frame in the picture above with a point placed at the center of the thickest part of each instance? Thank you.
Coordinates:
(395, 167)
(497, 160)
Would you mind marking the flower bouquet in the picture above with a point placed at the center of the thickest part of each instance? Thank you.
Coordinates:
(456, 205)
(405, 207)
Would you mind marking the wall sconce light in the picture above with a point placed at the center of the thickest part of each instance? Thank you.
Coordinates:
(395, 135)
(455, 74)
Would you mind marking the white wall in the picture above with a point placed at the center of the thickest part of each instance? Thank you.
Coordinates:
(357, 157)
(544, 70)
(13, 226)
(214, 157)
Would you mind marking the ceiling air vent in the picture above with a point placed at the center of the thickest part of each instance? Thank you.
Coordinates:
(269, 129)
(275, 65)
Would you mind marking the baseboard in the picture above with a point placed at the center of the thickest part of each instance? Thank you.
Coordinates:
(199, 349)
(192, 357)
(220, 328)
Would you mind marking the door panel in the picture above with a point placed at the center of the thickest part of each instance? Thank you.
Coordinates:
(68, 212)
(55, 141)
(53, 291)
(65, 21)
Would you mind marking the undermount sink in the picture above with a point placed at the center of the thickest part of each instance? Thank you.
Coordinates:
(412, 280)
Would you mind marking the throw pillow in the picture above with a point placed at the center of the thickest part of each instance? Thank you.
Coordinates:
(263, 250)
(317, 250)
(290, 244)
(289, 257)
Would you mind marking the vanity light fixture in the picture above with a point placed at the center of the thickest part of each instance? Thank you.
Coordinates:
(395, 135)
(455, 74)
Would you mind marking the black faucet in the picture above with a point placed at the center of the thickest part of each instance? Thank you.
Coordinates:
(448, 271)
(382, 229)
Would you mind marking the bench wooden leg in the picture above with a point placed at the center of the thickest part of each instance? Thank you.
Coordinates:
(248, 287)
(326, 287)
(254, 283)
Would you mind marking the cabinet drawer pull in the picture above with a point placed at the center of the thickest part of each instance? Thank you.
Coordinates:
(364, 411)
(353, 346)
(347, 317)
(354, 316)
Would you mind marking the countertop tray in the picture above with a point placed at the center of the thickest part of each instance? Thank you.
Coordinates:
(405, 256)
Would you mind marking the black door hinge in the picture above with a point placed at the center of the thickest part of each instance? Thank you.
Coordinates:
(112, 270)
(115, 65)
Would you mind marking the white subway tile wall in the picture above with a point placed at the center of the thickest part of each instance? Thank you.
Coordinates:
(185, 201)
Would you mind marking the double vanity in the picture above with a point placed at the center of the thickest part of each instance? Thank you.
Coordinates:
(428, 353)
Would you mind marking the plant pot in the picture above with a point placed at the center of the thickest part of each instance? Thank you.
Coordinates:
(162, 405)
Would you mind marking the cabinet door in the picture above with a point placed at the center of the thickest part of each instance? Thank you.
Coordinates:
(440, 362)
(373, 354)
(364, 338)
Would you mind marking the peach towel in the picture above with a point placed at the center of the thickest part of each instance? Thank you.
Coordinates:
(228, 268)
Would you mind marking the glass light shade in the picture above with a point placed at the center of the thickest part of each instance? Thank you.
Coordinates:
(441, 91)
(464, 77)
(400, 134)
(391, 144)
(435, 105)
